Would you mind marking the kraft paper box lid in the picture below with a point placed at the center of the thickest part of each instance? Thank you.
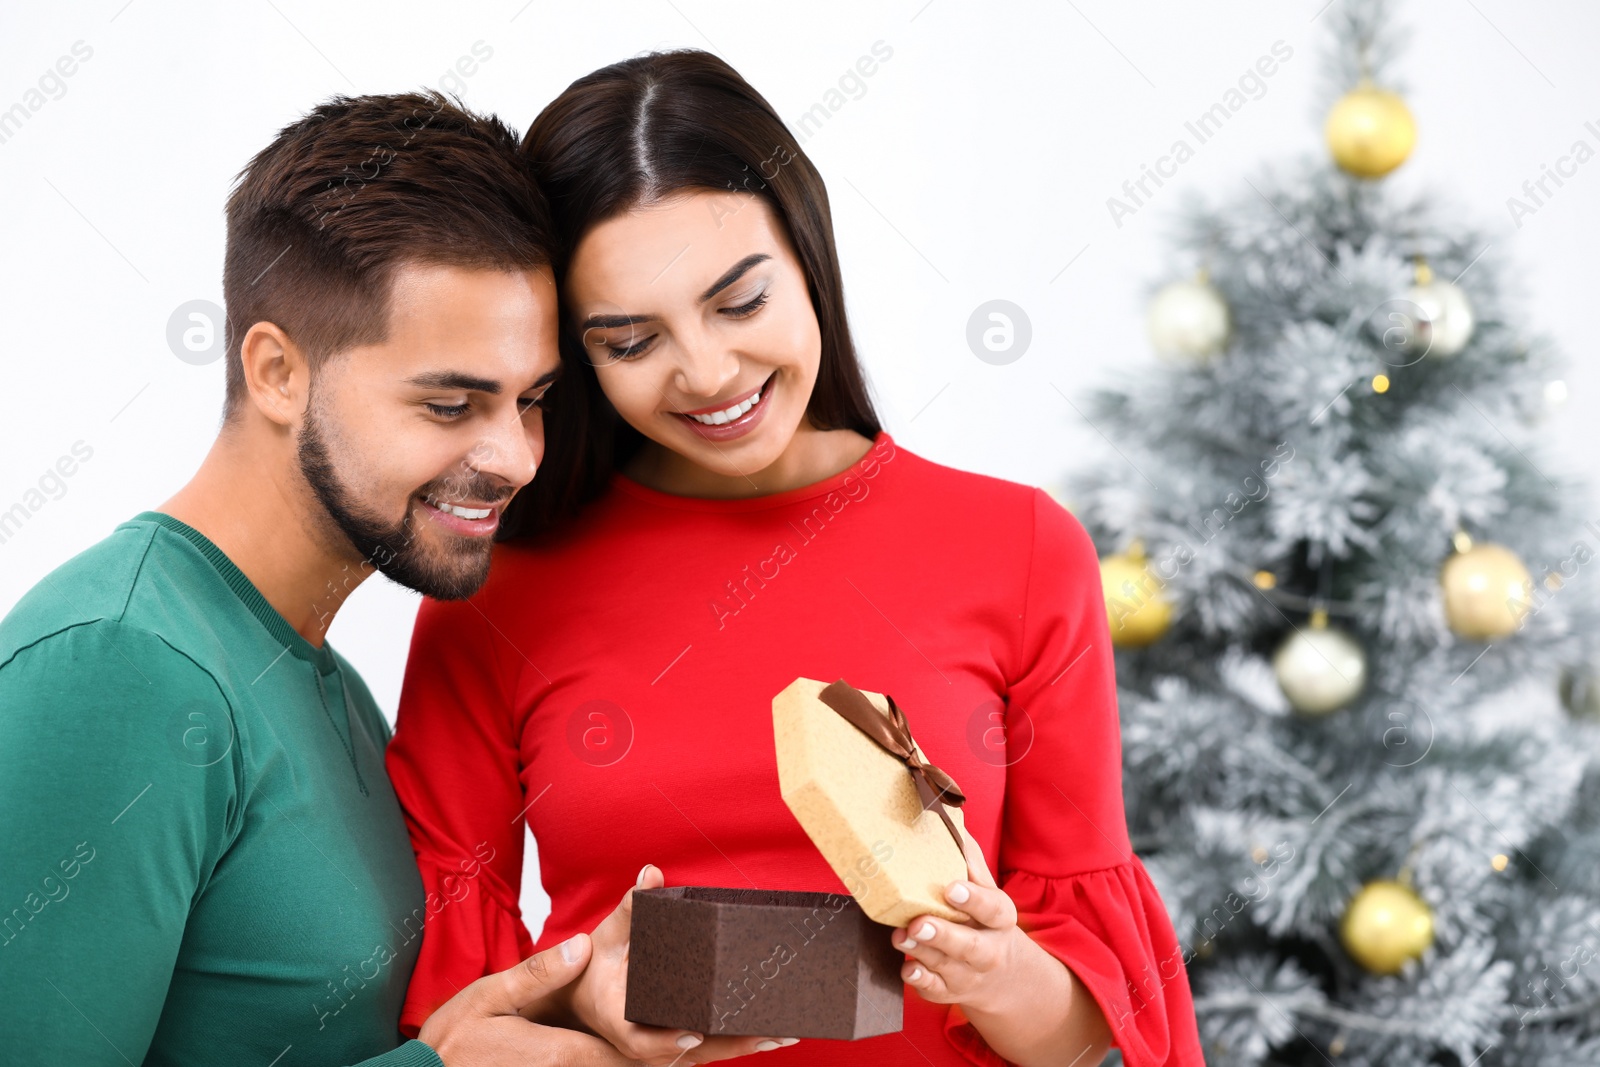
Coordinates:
(888, 836)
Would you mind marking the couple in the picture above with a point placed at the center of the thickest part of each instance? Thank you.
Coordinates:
(214, 852)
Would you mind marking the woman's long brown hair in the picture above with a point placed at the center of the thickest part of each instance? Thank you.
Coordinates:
(633, 133)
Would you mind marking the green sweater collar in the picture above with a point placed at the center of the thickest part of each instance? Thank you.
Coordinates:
(245, 590)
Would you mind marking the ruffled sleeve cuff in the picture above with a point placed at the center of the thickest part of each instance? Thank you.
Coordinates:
(1111, 930)
(472, 928)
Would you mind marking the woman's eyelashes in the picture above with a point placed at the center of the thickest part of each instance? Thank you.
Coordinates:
(638, 348)
(632, 351)
(745, 310)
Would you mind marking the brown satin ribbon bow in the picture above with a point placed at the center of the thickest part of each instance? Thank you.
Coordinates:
(893, 734)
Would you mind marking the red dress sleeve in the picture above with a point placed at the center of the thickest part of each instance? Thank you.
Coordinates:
(455, 767)
(1064, 855)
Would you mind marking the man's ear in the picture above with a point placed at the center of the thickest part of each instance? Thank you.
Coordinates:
(276, 373)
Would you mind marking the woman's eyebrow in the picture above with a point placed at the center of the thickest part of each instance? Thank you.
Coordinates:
(611, 322)
(734, 273)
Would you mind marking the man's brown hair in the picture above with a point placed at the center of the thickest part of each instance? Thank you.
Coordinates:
(320, 219)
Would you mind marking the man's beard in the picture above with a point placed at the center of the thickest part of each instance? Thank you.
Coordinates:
(453, 572)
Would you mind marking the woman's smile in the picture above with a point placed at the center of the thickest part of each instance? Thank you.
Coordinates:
(734, 418)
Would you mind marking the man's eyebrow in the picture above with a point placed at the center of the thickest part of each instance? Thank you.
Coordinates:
(734, 273)
(451, 379)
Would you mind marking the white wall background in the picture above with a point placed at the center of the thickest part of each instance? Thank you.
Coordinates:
(975, 165)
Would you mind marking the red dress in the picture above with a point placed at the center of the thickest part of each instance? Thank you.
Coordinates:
(612, 685)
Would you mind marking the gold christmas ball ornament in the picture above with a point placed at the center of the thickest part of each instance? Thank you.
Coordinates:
(1189, 321)
(1385, 925)
(1487, 591)
(1320, 668)
(1370, 131)
(1137, 610)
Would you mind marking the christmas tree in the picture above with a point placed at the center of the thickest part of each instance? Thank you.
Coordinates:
(1355, 619)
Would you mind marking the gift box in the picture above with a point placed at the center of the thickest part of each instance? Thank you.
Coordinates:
(758, 962)
(885, 819)
(820, 965)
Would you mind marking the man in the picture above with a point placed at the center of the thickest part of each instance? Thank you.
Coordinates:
(201, 858)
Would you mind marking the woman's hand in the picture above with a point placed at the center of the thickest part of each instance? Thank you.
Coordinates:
(971, 964)
(1025, 1003)
(597, 998)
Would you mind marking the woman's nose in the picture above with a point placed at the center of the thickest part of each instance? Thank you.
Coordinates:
(704, 369)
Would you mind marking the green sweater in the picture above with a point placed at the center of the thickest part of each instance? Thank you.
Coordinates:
(201, 858)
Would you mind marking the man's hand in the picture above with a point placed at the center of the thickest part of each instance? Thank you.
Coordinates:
(597, 999)
(486, 1024)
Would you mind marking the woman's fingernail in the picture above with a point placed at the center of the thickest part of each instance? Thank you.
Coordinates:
(787, 1041)
(908, 944)
(767, 1046)
(957, 894)
(925, 932)
(689, 1040)
(642, 872)
(916, 973)
(569, 949)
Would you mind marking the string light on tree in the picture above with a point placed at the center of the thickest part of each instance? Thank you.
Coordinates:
(1370, 131)
(1321, 668)
(1189, 321)
(1137, 609)
(1556, 393)
(1487, 591)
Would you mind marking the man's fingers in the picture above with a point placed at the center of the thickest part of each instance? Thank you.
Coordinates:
(513, 990)
(614, 930)
(659, 1044)
(548, 1044)
(650, 877)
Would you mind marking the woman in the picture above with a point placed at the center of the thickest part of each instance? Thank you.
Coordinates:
(719, 513)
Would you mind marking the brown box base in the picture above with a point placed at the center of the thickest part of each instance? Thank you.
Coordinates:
(757, 962)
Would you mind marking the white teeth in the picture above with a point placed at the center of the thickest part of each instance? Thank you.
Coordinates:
(717, 418)
(464, 513)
